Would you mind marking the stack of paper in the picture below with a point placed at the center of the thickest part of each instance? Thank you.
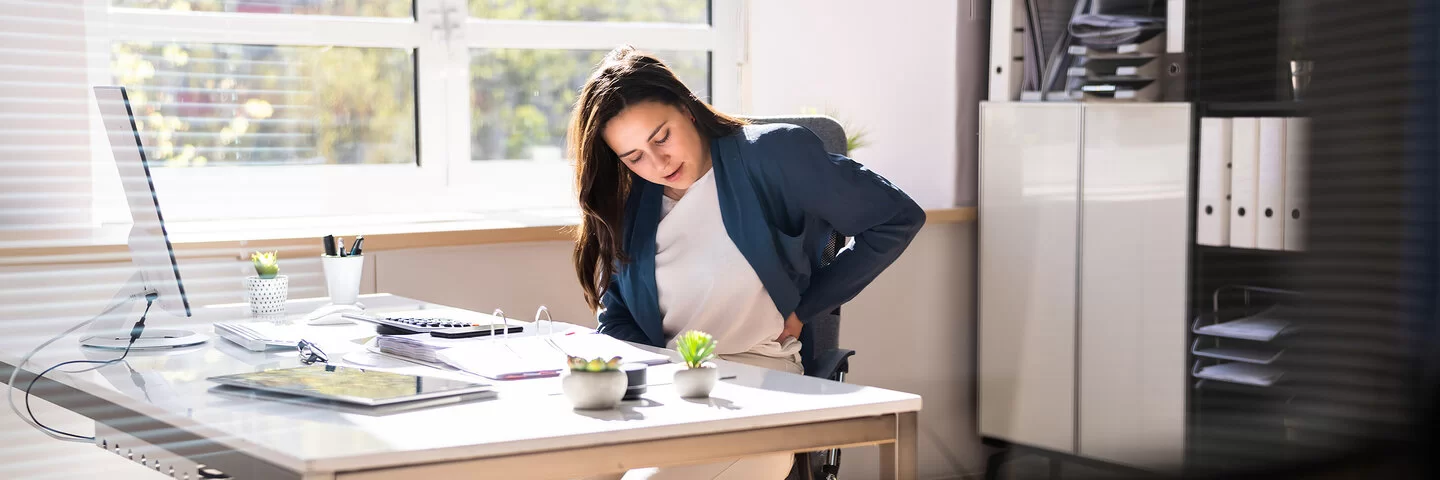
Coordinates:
(414, 347)
(1261, 327)
(598, 345)
(502, 358)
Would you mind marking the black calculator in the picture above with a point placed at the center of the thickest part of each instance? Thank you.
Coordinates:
(439, 327)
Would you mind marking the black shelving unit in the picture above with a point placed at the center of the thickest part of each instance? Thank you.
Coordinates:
(1237, 65)
(1230, 426)
(1239, 50)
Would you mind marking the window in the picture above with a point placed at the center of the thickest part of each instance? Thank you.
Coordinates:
(522, 98)
(252, 105)
(653, 11)
(258, 108)
(356, 8)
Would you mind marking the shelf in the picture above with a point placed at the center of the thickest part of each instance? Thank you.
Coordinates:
(1211, 249)
(1236, 254)
(1252, 109)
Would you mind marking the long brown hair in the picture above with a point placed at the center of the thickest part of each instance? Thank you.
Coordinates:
(625, 77)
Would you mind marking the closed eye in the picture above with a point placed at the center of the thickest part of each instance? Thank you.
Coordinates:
(662, 140)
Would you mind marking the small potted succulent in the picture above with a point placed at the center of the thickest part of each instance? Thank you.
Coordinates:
(267, 289)
(595, 384)
(699, 375)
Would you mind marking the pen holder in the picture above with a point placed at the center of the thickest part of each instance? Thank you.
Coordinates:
(635, 378)
(342, 277)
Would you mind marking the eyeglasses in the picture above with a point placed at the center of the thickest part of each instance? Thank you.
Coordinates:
(311, 353)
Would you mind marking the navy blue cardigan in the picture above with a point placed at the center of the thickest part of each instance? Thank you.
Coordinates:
(781, 195)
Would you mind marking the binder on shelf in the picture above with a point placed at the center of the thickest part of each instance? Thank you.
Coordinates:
(1297, 134)
(1242, 373)
(1244, 179)
(1270, 183)
(1212, 213)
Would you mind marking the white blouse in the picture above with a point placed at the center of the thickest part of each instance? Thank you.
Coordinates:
(705, 283)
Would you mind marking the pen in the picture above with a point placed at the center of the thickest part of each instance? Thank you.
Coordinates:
(355, 249)
(330, 245)
(521, 376)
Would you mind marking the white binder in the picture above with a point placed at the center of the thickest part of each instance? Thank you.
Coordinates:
(1297, 135)
(1244, 179)
(1212, 213)
(1270, 184)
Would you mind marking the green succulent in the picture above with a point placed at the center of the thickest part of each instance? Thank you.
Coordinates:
(578, 364)
(696, 347)
(266, 264)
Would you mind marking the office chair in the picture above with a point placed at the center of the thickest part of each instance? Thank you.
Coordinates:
(821, 353)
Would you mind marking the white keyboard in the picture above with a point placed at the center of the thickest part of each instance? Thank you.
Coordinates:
(258, 336)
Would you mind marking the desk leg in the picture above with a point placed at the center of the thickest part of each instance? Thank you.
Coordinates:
(899, 460)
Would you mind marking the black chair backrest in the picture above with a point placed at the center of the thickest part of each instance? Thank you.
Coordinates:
(824, 333)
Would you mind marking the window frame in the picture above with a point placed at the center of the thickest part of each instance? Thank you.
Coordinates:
(440, 38)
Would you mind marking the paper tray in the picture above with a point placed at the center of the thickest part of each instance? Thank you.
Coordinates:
(1260, 327)
(1241, 373)
(1259, 356)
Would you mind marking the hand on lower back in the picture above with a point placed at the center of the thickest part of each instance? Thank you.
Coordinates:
(792, 329)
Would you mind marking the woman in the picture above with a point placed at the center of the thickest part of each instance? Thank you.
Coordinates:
(694, 220)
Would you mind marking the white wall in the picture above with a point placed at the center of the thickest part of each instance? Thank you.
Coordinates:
(886, 67)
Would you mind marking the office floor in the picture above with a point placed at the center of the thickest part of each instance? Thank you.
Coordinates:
(1033, 467)
(29, 454)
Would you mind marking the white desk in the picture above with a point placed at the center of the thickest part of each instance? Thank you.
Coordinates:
(164, 411)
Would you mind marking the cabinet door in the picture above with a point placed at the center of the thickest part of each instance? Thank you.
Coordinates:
(1134, 226)
(1029, 179)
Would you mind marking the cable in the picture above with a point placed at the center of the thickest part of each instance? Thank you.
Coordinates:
(26, 359)
(135, 333)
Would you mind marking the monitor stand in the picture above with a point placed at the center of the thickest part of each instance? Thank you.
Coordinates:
(151, 339)
(110, 330)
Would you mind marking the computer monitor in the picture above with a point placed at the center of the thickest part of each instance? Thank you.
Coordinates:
(149, 242)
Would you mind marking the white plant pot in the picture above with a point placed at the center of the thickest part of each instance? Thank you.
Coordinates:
(696, 382)
(593, 390)
(267, 295)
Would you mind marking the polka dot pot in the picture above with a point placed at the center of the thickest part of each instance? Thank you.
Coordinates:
(267, 295)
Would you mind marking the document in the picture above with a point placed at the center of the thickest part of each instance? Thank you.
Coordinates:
(1270, 218)
(1244, 180)
(1212, 215)
(539, 356)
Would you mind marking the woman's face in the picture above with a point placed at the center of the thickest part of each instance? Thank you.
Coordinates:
(660, 143)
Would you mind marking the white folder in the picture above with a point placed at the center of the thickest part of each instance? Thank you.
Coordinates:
(1212, 215)
(1297, 135)
(1270, 193)
(1244, 180)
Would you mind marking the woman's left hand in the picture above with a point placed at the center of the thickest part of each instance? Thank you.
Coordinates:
(792, 329)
